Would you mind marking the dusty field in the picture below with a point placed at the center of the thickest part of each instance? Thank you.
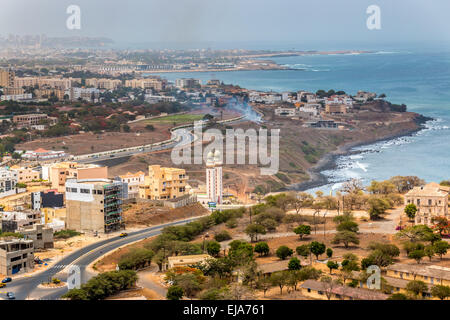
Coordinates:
(90, 142)
(140, 215)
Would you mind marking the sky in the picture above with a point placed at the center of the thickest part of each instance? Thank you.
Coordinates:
(308, 22)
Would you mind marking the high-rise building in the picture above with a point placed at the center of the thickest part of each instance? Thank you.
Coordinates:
(214, 186)
(94, 205)
(7, 78)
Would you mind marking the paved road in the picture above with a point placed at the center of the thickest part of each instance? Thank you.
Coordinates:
(27, 287)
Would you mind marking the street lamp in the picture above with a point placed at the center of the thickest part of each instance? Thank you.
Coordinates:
(204, 238)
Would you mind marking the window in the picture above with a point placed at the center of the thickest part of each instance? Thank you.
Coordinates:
(74, 190)
(429, 202)
(86, 191)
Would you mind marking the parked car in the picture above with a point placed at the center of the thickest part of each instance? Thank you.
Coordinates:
(10, 295)
(6, 280)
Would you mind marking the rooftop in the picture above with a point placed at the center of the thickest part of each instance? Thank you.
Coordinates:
(355, 293)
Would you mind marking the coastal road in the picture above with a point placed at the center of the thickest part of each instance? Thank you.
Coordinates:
(27, 287)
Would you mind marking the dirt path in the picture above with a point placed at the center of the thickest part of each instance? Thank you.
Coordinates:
(150, 279)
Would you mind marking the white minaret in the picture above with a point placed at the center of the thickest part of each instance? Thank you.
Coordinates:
(214, 187)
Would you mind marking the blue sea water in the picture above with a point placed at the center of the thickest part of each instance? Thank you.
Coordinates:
(420, 79)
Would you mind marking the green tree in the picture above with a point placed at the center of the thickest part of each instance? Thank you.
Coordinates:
(213, 248)
(283, 252)
(253, 230)
(417, 255)
(262, 248)
(317, 248)
(280, 279)
(440, 291)
(348, 226)
(346, 237)
(416, 287)
(429, 251)
(329, 252)
(332, 265)
(174, 293)
(410, 211)
(398, 296)
(302, 230)
(294, 264)
(440, 248)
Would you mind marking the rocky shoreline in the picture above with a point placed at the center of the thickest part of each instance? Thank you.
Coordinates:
(328, 162)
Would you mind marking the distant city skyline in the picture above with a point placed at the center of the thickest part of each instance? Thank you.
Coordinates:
(312, 24)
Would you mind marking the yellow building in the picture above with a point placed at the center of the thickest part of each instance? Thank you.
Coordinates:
(53, 213)
(60, 172)
(430, 274)
(320, 290)
(184, 261)
(25, 175)
(163, 183)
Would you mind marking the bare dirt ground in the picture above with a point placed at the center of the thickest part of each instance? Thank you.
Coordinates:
(89, 142)
(142, 214)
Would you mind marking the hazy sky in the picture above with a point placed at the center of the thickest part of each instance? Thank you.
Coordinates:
(295, 21)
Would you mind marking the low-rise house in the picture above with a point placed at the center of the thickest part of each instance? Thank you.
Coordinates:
(25, 175)
(133, 181)
(184, 261)
(11, 221)
(16, 256)
(321, 290)
(41, 235)
(180, 201)
(335, 108)
(430, 274)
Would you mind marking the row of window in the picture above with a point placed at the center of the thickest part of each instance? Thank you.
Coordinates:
(85, 191)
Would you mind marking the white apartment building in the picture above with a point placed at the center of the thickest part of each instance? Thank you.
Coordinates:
(8, 181)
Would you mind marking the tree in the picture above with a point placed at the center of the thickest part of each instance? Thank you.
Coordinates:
(293, 279)
(346, 237)
(416, 287)
(283, 252)
(189, 283)
(398, 296)
(417, 255)
(264, 284)
(317, 248)
(440, 248)
(309, 272)
(280, 279)
(174, 293)
(440, 291)
(262, 248)
(429, 251)
(442, 224)
(350, 262)
(303, 250)
(253, 230)
(222, 236)
(213, 248)
(329, 285)
(302, 200)
(294, 264)
(329, 252)
(418, 233)
(332, 265)
(410, 211)
(302, 230)
(377, 207)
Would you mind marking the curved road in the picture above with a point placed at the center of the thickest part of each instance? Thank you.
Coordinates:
(27, 287)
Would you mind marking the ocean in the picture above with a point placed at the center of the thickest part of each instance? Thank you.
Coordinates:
(419, 79)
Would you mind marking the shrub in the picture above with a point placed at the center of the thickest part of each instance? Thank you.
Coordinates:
(174, 293)
(66, 234)
(294, 264)
(213, 248)
(136, 259)
(222, 236)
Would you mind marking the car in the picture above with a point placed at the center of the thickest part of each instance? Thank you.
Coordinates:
(6, 280)
(10, 295)
(2, 285)
(123, 234)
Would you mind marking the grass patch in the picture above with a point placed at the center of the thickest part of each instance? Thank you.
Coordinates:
(178, 118)
(66, 234)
